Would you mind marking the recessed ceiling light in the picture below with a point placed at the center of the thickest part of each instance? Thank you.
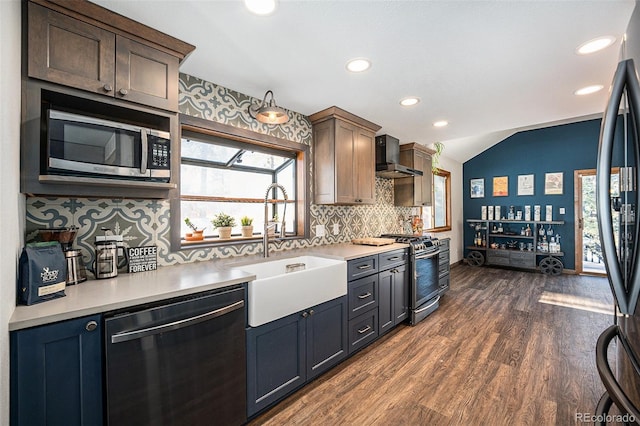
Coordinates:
(595, 45)
(441, 123)
(260, 7)
(410, 101)
(589, 90)
(358, 64)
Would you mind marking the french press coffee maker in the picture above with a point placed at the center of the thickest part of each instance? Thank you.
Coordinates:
(106, 263)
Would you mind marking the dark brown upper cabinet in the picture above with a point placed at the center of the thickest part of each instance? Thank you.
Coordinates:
(415, 190)
(344, 158)
(73, 46)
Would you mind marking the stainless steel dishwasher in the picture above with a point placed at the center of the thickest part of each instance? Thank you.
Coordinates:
(178, 363)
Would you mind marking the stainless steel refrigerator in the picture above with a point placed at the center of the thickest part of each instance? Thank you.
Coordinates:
(617, 206)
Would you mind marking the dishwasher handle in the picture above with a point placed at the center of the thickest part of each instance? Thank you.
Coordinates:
(176, 325)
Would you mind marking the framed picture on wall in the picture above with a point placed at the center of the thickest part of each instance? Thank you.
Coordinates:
(553, 183)
(500, 186)
(477, 188)
(525, 184)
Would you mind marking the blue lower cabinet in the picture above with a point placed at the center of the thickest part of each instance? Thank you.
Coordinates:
(283, 354)
(327, 336)
(56, 374)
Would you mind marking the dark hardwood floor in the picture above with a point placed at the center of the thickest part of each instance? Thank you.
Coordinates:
(505, 348)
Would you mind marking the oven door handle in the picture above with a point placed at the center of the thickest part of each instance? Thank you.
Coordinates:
(427, 255)
(437, 299)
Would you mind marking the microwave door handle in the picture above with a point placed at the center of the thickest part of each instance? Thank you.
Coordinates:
(144, 155)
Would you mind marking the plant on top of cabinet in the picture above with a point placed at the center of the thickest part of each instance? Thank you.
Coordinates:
(344, 157)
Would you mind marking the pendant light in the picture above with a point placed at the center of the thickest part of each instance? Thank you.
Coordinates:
(268, 112)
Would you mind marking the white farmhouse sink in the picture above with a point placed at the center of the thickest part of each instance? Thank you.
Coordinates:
(276, 293)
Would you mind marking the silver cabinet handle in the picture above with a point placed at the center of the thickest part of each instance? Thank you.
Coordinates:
(138, 334)
(364, 296)
(91, 325)
(305, 314)
(364, 267)
(364, 330)
(311, 312)
(394, 258)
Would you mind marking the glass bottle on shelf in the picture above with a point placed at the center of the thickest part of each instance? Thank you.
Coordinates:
(550, 230)
(522, 231)
(541, 232)
(527, 231)
(500, 228)
(484, 241)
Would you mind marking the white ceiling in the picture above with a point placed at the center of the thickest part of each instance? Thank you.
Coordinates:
(488, 67)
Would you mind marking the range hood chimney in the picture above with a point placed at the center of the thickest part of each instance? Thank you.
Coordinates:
(388, 159)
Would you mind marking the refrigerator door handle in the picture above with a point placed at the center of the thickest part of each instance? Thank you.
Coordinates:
(616, 393)
(625, 290)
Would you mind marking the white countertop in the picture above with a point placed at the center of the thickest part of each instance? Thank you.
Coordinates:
(96, 296)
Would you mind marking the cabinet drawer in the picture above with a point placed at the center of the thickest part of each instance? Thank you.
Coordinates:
(443, 273)
(498, 257)
(443, 258)
(392, 258)
(443, 283)
(523, 259)
(362, 267)
(363, 295)
(363, 330)
(522, 255)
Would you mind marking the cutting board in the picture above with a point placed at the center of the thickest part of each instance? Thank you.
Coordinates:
(373, 241)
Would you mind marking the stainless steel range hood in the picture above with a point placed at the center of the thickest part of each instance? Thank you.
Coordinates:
(388, 157)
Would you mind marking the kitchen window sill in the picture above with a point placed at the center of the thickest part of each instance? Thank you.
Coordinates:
(233, 241)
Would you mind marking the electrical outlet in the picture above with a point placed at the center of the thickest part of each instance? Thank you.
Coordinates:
(319, 230)
(336, 229)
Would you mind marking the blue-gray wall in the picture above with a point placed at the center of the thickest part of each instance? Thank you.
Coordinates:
(562, 148)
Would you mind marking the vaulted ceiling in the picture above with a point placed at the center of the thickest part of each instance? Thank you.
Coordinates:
(489, 68)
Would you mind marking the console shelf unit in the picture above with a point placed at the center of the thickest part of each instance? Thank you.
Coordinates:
(547, 262)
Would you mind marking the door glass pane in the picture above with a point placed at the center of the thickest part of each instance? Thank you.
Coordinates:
(439, 200)
(592, 258)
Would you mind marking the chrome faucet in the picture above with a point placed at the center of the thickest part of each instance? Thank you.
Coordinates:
(267, 227)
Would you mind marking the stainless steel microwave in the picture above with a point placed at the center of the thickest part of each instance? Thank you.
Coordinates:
(80, 145)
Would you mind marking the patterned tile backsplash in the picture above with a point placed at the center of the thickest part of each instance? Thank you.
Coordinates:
(146, 222)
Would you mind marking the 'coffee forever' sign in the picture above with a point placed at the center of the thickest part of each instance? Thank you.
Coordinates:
(143, 258)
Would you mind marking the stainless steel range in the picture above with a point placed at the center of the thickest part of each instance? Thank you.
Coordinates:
(424, 289)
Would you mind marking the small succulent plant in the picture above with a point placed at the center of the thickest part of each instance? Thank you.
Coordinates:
(222, 220)
(191, 225)
(246, 221)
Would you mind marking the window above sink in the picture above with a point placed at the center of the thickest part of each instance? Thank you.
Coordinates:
(227, 170)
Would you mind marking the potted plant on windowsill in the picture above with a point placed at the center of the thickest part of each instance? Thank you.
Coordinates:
(197, 234)
(223, 222)
(247, 226)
